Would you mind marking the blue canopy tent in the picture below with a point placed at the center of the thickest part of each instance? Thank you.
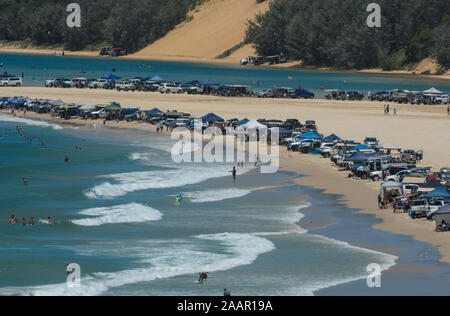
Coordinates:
(310, 135)
(6, 75)
(209, 83)
(212, 118)
(57, 102)
(332, 138)
(155, 111)
(240, 123)
(361, 156)
(111, 77)
(362, 147)
(439, 192)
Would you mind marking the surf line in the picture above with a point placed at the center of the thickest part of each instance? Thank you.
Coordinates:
(194, 307)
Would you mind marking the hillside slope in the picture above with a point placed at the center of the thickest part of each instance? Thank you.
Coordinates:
(215, 27)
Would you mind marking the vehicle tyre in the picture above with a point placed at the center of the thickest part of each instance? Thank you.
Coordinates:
(376, 178)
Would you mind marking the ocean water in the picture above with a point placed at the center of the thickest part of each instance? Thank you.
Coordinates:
(37, 69)
(115, 214)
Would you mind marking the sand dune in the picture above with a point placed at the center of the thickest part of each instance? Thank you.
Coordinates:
(215, 27)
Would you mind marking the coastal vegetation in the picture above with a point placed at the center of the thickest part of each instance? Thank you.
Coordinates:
(130, 24)
(334, 33)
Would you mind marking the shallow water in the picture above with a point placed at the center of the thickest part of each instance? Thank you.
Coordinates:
(38, 68)
(114, 213)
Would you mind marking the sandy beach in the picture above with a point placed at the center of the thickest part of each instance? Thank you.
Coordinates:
(415, 127)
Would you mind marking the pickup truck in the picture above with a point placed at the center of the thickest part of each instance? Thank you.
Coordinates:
(99, 114)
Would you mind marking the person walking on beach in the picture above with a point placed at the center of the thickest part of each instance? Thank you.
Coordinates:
(448, 110)
(226, 293)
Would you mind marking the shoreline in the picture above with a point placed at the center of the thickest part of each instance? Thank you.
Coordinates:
(294, 66)
(316, 172)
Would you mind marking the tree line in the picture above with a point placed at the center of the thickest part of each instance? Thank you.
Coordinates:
(334, 33)
(130, 24)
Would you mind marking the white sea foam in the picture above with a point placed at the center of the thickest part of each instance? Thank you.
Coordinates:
(219, 194)
(386, 261)
(142, 156)
(129, 213)
(159, 179)
(19, 120)
(241, 249)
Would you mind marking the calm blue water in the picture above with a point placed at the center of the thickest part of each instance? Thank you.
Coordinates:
(136, 240)
(38, 68)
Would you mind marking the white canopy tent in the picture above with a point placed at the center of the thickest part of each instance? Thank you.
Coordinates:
(433, 91)
(253, 125)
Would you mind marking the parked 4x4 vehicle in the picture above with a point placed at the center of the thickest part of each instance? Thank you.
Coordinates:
(125, 85)
(79, 83)
(170, 88)
(442, 99)
(99, 83)
(11, 82)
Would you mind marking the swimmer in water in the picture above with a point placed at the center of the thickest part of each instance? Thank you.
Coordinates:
(67, 160)
(49, 220)
(234, 173)
(179, 198)
(25, 181)
(12, 220)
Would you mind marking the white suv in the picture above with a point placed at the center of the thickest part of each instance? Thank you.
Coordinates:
(170, 88)
(442, 99)
(11, 82)
(125, 85)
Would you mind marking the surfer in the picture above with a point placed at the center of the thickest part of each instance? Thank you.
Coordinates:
(203, 277)
(69, 268)
(49, 220)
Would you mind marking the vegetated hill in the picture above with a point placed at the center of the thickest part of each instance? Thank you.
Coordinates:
(334, 33)
(130, 24)
(215, 29)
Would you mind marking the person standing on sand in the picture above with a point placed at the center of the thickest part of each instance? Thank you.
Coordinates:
(448, 110)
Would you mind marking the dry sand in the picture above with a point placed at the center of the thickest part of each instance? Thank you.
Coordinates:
(415, 127)
(215, 27)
